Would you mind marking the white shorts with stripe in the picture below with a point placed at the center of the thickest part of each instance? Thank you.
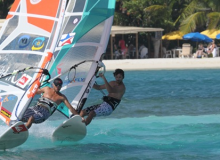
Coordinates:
(103, 109)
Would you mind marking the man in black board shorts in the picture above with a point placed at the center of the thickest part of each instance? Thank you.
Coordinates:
(116, 90)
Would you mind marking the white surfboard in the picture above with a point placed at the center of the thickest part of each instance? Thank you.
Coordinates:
(72, 129)
(14, 136)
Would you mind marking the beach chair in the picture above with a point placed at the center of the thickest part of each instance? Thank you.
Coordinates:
(167, 53)
(204, 55)
(117, 54)
(186, 51)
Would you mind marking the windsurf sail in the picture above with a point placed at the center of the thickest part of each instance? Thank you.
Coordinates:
(27, 40)
(83, 40)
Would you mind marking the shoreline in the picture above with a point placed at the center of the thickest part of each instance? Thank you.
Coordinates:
(163, 64)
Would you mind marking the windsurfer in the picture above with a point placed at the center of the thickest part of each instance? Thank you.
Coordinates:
(47, 104)
(116, 90)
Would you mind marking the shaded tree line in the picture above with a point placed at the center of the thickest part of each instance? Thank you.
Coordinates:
(184, 15)
(5, 7)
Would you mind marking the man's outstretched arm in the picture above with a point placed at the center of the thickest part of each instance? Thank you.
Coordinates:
(66, 102)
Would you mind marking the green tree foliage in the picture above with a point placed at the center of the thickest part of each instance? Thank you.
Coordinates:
(184, 15)
(4, 7)
(149, 13)
(199, 15)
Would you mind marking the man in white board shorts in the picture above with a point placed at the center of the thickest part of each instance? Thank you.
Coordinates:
(47, 104)
(116, 90)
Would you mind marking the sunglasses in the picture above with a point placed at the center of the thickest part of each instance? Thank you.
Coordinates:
(58, 85)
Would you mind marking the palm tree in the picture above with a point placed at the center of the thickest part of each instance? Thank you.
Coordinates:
(153, 13)
(161, 14)
(199, 15)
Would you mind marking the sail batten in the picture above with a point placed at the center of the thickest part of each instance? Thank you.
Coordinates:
(22, 52)
(74, 14)
(34, 16)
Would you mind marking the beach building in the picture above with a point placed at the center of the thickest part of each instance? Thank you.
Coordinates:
(135, 31)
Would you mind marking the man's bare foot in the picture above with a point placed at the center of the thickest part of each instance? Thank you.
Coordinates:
(84, 121)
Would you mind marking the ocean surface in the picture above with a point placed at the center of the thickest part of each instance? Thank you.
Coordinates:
(164, 115)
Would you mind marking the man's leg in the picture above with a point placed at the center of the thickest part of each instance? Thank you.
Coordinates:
(90, 117)
(90, 112)
(83, 113)
(86, 111)
(28, 117)
(29, 122)
(103, 109)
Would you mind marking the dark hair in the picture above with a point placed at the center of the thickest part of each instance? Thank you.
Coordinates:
(58, 81)
(119, 71)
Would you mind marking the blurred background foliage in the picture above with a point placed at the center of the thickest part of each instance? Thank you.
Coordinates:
(171, 15)
(184, 15)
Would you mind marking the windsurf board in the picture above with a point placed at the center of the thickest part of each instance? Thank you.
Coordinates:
(14, 136)
(72, 129)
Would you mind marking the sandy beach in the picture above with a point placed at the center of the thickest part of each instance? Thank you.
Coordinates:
(163, 63)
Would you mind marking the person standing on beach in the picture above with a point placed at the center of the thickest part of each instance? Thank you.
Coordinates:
(143, 51)
(212, 49)
(116, 90)
(123, 47)
(121, 43)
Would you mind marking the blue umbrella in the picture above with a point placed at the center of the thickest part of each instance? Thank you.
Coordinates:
(196, 36)
(218, 36)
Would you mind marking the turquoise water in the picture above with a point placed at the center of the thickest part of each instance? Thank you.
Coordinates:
(169, 114)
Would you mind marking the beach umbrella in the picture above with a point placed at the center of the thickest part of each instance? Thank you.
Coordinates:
(197, 37)
(175, 35)
(218, 36)
(211, 33)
